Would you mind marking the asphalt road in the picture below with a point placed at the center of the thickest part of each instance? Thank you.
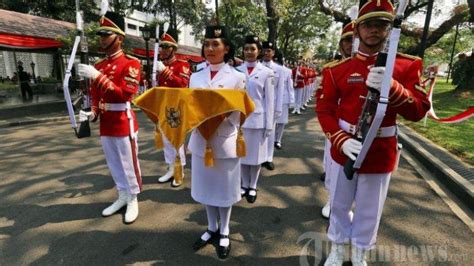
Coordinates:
(53, 188)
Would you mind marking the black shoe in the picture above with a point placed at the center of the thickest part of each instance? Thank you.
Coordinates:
(270, 166)
(223, 252)
(245, 193)
(251, 199)
(322, 177)
(200, 243)
(278, 145)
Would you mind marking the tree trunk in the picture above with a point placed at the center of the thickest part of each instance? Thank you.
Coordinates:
(271, 20)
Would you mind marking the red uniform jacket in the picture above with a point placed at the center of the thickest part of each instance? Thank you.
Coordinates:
(342, 85)
(176, 74)
(298, 77)
(117, 83)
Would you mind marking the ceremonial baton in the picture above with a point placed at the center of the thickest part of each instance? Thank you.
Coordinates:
(84, 128)
(155, 55)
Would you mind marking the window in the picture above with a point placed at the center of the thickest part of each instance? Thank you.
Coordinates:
(131, 26)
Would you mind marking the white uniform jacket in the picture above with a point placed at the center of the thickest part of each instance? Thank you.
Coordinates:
(223, 142)
(288, 91)
(260, 87)
(279, 73)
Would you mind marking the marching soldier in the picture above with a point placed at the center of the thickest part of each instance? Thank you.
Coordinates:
(338, 108)
(115, 79)
(345, 48)
(298, 79)
(172, 72)
(259, 126)
(279, 73)
(217, 187)
(288, 99)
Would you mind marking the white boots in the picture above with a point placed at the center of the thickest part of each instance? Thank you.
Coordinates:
(170, 174)
(124, 199)
(132, 209)
(117, 205)
(336, 256)
(166, 177)
(326, 210)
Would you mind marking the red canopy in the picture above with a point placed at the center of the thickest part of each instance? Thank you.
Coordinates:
(142, 53)
(27, 42)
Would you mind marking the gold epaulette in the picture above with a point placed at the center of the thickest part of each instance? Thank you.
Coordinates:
(338, 62)
(100, 60)
(330, 63)
(131, 57)
(411, 57)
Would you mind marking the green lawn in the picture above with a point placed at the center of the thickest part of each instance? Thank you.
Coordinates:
(457, 138)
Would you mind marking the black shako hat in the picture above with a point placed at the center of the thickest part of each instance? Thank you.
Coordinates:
(252, 39)
(111, 22)
(216, 31)
(268, 45)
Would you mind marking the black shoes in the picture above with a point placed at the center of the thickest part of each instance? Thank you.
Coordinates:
(322, 177)
(250, 198)
(223, 252)
(200, 243)
(278, 145)
(269, 165)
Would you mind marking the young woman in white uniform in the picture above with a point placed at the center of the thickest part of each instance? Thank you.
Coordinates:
(217, 187)
(259, 125)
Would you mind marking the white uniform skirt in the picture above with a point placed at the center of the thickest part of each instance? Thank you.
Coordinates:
(256, 145)
(284, 114)
(218, 185)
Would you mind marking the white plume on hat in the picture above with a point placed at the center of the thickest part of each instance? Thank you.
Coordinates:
(104, 6)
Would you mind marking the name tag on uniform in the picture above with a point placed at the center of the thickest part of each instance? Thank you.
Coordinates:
(355, 78)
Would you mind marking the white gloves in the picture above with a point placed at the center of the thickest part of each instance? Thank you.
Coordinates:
(351, 148)
(267, 133)
(374, 79)
(84, 116)
(87, 71)
(160, 66)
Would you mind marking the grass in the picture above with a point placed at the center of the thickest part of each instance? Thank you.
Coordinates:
(457, 138)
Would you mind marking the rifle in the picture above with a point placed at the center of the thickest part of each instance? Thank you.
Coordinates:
(375, 105)
(84, 128)
(156, 51)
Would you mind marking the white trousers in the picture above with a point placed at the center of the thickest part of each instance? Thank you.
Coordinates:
(170, 152)
(279, 131)
(271, 143)
(121, 154)
(298, 98)
(369, 192)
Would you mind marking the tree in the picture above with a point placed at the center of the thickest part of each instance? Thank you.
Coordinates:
(304, 28)
(243, 18)
(57, 9)
(459, 14)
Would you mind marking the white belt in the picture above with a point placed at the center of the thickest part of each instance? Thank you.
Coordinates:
(383, 132)
(115, 106)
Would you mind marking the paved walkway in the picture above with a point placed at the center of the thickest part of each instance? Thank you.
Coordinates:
(54, 186)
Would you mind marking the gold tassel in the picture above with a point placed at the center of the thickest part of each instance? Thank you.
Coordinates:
(208, 157)
(158, 139)
(241, 147)
(178, 170)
